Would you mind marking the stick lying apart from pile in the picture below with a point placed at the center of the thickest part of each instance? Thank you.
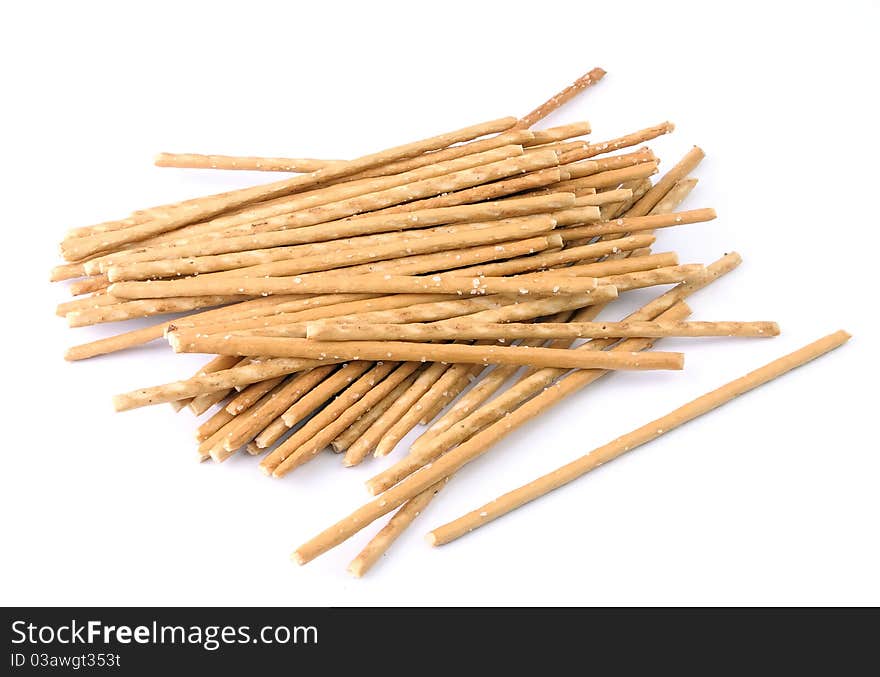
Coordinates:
(349, 304)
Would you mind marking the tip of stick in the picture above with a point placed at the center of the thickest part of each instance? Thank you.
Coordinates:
(356, 569)
(265, 469)
(173, 340)
(120, 403)
(431, 539)
(297, 557)
(843, 334)
(372, 488)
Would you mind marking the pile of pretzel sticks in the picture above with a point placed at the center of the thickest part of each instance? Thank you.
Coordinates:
(349, 304)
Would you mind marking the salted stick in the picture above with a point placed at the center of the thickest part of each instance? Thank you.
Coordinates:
(560, 98)
(462, 329)
(206, 207)
(386, 536)
(248, 163)
(479, 444)
(637, 223)
(401, 351)
(646, 433)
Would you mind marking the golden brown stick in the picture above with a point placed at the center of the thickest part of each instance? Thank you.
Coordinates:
(95, 300)
(466, 452)
(323, 391)
(88, 285)
(200, 404)
(510, 229)
(296, 388)
(147, 307)
(207, 207)
(259, 164)
(221, 380)
(67, 271)
(642, 435)
(317, 434)
(400, 351)
(462, 329)
(489, 191)
(217, 364)
(213, 424)
(345, 439)
(432, 409)
(577, 170)
(669, 306)
(367, 442)
(251, 395)
(684, 167)
(315, 207)
(637, 223)
(560, 98)
(383, 540)
(353, 227)
(516, 137)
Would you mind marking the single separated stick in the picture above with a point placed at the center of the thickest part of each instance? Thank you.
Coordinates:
(399, 351)
(462, 329)
(560, 98)
(258, 164)
(648, 432)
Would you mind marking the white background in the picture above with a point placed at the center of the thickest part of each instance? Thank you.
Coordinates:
(771, 500)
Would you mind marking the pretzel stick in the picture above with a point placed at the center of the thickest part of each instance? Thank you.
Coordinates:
(315, 207)
(207, 429)
(560, 98)
(510, 229)
(680, 171)
(260, 164)
(475, 446)
(317, 434)
(95, 300)
(354, 227)
(462, 329)
(516, 137)
(304, 383)
(207, 207)
(411, 417)
(367, 442)
(66, 271)
(490, 191)
(323, 391)
(383, 540)
(217, 364)
(146, 307)
(221, 380)
(251, 395)
(400, 351)
(432, 410)
(360, 426)
(646, 433)
(200, 404)
(577, 170)
(637, 223)
(87, 285)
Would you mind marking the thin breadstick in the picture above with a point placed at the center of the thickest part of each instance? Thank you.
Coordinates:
(354, 227)
(637, 223)
(251, 395)
(684, 167)
(560, 98)
(489, 191)
(326, 204)
(67, 271)
(95, 300)
(383, 540)
(317, 434)
(577, 170)
(462, 329)
(221, 380)
(520, 137)
(220, 418)
(626, 141)
(367, 442)
(200, 404)
(202, 208)
(611, 178)
(360, 426)
(444, 397)
(455, 459)
(411, 417)
(147, 307)
(88, 285)
(298, 387)
(540, 137)
(510, 229)
(505, 406)
(217, 364)
(259, 164)
(323, 391)
(400, 351)
(401, 284)
(642, 435)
